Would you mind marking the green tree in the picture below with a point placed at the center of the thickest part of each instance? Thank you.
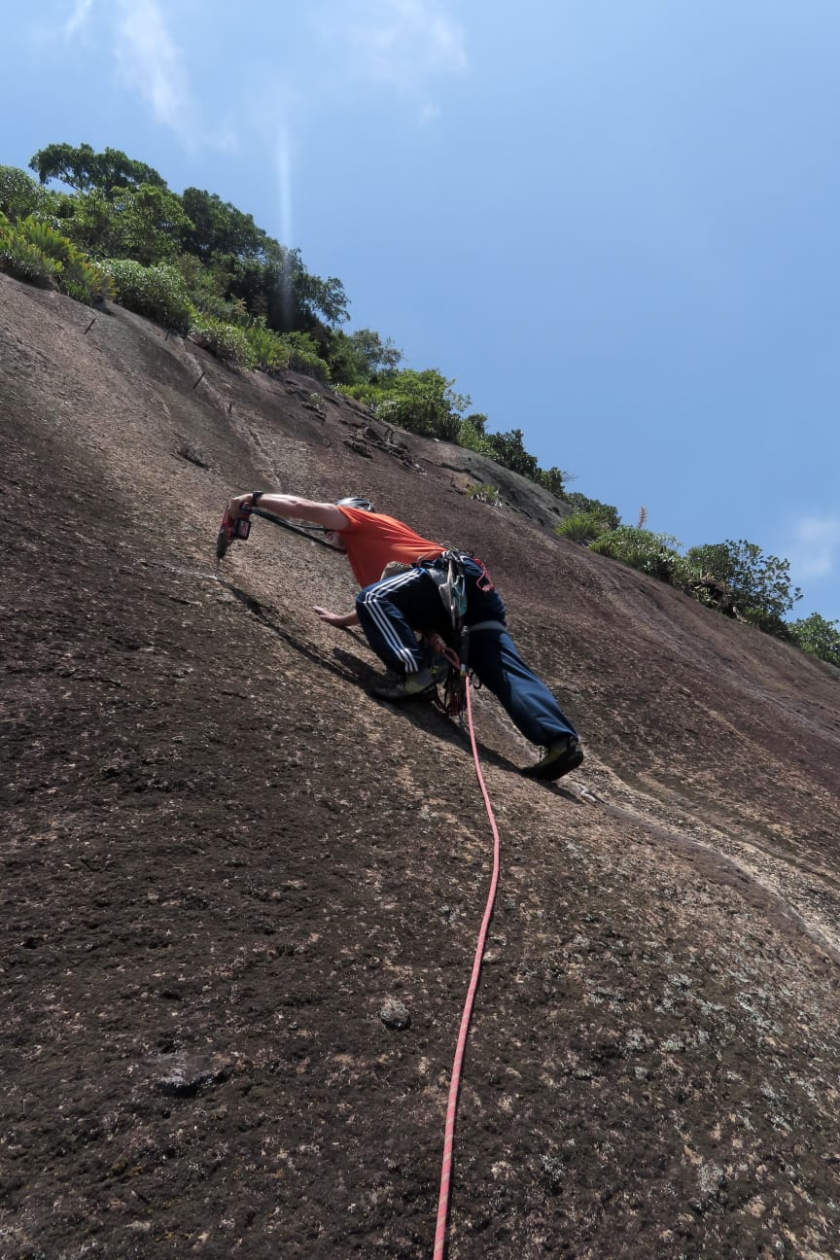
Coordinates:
(313, 299)
(818, 636)
(285, 292)
(759, 584)
(473, 437)
(510, 452)
(553, 480)
(82, 168)
(144, 223)
(360, 357)
(123, 209)
(217, 228)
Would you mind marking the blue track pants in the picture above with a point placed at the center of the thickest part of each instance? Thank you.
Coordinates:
(393, 610)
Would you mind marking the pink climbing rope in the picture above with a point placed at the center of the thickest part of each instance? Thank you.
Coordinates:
(455, 1082)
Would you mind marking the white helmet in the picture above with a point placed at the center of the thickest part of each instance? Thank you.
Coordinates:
(354, 501)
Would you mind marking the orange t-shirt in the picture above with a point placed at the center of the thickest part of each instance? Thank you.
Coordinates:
(373, 540)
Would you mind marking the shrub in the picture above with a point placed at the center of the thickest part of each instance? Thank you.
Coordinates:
(508, 450)
(419, 414)
(83, 280)
(225, 341)
(34, 251)
(582, 527)
(422, 402)
(472, 437)
(606, 511)
(157, 292)
(20, 194)
(48, 240)
(654, 554)
(303, 355)
(227, 312)
(270, 352)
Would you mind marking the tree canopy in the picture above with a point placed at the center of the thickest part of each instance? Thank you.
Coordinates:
(760, 585)
(82, 168)
(818, 636)
(142, 222)
(21, 195)
(217, 228)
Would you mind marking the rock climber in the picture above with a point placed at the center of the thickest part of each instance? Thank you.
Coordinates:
(393, 609)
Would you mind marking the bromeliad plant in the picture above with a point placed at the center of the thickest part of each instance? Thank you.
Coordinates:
(485, 492)
(34, 251)
(25, 261)
(582, 527)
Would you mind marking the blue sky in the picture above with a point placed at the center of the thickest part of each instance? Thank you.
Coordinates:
(614, 222)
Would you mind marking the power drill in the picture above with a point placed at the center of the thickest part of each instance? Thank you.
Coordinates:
(231, 529)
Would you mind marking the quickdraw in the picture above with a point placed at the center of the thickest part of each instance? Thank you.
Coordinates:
(451, 582)
(454, 685)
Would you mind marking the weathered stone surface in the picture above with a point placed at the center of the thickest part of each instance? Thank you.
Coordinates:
(219, 856)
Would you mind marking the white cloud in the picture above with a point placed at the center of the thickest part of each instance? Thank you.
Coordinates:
(815, 550)
(151, 64)
(399, 44)
(77, 19)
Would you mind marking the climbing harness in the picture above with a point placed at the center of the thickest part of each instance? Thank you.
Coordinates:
(451, 582)
(449, 575)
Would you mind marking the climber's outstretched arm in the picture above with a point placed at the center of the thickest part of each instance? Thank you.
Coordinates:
(290, 505)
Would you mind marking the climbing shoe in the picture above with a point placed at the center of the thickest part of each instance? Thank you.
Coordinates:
(559, 759)
(409, 687)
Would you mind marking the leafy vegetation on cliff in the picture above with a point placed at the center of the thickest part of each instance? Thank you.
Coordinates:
(201, 267)
(736, 578)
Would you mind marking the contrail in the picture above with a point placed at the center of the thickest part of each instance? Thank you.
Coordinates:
(283, 157)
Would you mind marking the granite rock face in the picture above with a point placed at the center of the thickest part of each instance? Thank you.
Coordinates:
(220, 857)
